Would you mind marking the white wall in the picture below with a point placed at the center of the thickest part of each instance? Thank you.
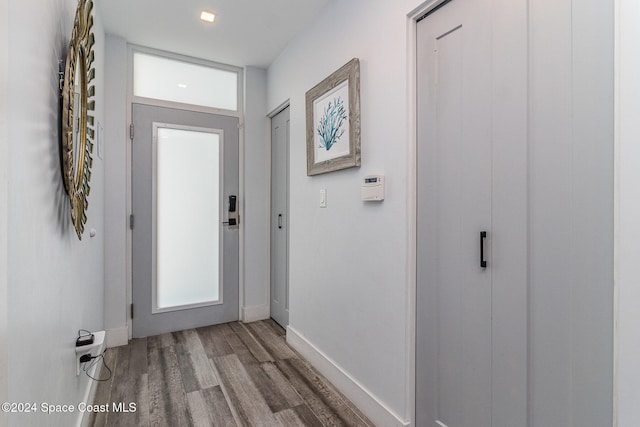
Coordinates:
(4, 200)
(55, 280)
(348, 277)
(115, 213)
(256, 195)
(627, 242)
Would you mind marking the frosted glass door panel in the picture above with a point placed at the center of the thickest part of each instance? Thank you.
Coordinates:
(187, 218)
(177, 81)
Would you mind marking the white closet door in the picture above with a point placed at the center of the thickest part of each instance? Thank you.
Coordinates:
(454, 208)
(472, 336)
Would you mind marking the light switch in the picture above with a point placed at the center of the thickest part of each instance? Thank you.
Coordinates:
(323, 197)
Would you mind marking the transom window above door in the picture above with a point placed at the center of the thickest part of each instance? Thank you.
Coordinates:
(174, 80)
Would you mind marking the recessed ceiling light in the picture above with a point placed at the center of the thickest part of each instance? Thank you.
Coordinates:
(182, 85)
(207, 16)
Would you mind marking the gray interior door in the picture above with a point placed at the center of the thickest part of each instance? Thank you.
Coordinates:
(184, 258)
(280, 217)
(454, 294)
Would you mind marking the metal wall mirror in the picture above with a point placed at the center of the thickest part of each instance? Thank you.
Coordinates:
(78, 130)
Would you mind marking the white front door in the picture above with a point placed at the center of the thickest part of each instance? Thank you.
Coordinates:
(185, 185)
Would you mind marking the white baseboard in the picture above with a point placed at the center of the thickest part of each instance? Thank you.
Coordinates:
(377, 412)
(117, 337)
(255, 313)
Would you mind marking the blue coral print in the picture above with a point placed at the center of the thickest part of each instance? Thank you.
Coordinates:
(331, 126)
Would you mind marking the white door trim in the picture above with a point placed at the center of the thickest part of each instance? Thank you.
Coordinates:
(626, 371)
(279, 109)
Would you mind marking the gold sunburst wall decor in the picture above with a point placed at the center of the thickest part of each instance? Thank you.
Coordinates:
(78, 129)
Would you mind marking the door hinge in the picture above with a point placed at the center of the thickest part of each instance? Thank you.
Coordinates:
(131, 221)
(131, 131)
(132, 311)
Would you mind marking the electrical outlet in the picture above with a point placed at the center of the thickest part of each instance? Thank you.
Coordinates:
(93, 348)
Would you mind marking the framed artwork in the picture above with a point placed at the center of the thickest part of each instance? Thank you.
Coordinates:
(333, 121)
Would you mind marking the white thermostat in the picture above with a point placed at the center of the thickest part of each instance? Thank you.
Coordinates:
(373, 188)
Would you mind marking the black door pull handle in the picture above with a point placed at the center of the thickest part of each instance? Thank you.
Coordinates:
(232, 203)
(280, 221)
(483, 236)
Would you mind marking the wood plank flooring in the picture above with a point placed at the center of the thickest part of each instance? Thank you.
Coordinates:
(224, 375)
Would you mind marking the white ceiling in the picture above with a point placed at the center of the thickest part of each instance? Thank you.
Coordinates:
(245, 32)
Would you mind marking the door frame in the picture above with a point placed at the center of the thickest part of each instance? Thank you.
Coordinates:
(270, 116)
(131, 99)
(626, 374)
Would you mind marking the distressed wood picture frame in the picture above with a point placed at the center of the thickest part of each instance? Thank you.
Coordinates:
(333, 121)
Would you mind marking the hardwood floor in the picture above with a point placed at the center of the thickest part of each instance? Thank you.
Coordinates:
(224, 375)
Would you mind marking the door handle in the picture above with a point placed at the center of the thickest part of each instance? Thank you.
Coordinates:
(280, 221)
(232, 203)
(483, 237)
